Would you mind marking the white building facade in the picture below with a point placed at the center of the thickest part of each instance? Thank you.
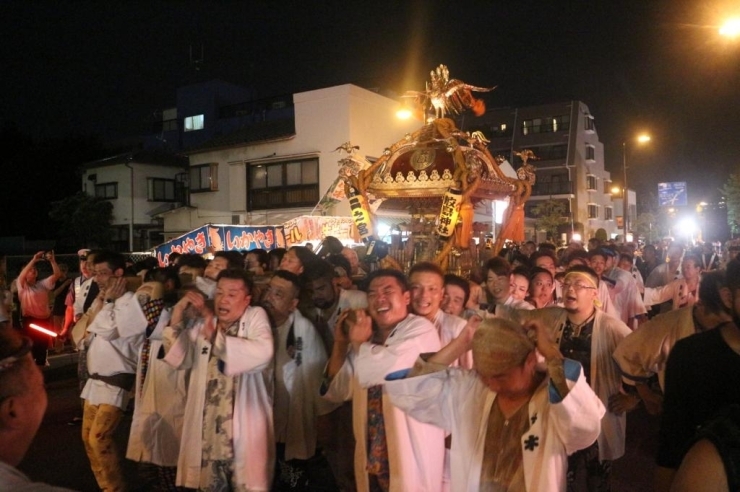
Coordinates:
(569, 164)
(137, 184)
(266, 174)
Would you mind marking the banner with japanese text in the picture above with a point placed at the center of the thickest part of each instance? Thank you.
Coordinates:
(211, 237)
(316, 228)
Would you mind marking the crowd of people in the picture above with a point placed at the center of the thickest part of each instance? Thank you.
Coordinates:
(295, 370)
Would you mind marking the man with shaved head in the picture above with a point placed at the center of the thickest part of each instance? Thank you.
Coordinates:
(23, 402)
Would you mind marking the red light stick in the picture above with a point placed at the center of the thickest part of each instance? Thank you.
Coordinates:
(43, 330)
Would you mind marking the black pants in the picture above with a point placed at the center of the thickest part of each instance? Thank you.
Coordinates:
(40, 340)
(311, 475)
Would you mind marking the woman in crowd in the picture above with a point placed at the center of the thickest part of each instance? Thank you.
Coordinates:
(541, 287)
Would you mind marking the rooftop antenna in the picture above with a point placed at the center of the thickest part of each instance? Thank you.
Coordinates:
(197, 62)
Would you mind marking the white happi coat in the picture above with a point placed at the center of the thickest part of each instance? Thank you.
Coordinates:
(159, 413)
(458, 401)
(415, 449)
(645, 351)
(248, 357)
(606, 301)
(303, 382)
(676, 291)
(449, 327)
(115, 339)
(625, 294)
(605, 376)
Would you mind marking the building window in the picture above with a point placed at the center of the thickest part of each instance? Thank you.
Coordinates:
(548, 124)
(591, 182)
(545, 153)
(193, 123)
(161, 190)
(590, 153)
(204, 177)
(608, 213)
(532, 206)
(607, 187)
(489, 130)
(284, 184)
(164, 126)
(593, 211)
(589, 123)
(552, 184)
(108, 191)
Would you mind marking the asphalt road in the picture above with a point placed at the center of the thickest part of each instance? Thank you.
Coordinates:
(58, 457)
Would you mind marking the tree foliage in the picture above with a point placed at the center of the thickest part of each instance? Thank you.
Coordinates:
(646, 226)
(83, 220)
(731, 192)
(549, 215)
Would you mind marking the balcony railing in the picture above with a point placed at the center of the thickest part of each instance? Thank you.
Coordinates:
(563, 188)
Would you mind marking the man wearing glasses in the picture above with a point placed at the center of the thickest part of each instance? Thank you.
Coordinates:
(588, 335)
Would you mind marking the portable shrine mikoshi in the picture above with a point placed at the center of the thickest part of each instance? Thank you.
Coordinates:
(436, 175)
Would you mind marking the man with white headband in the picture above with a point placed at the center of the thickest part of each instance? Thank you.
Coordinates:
(590, 336)
(514, 420)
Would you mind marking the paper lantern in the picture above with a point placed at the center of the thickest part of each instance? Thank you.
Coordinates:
(448, 214)
(358, 209)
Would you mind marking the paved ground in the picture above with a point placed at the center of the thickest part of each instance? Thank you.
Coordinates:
(58, 457)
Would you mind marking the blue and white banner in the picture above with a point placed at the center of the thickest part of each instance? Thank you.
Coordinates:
(211, 238)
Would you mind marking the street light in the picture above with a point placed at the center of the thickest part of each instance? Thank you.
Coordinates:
(730, 29)
(641, 139)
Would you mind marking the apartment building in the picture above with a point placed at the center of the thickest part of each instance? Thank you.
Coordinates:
(569, 164)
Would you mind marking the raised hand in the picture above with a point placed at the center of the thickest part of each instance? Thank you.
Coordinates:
(545, 345)
(116, 288)
(360, 329)
(621, 402)
(467, 333)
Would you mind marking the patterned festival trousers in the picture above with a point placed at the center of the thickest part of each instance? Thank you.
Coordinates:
(99, 423)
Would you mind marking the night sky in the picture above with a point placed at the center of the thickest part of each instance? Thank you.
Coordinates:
(659, 66)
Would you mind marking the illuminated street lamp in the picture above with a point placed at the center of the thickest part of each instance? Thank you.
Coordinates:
(730, 29)
(404, 113)
(410, 108)
(641, 139)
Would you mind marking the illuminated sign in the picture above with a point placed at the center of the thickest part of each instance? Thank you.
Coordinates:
(672, 194)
